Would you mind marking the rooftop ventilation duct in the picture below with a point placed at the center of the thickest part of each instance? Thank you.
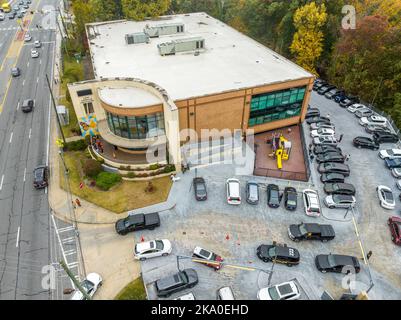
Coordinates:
(163, 29)
(134, 38)
(181, 45)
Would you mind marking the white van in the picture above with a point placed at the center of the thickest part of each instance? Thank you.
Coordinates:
(225, 293)
(233, 191)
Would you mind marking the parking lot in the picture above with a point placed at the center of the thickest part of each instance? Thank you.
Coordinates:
(234, 232)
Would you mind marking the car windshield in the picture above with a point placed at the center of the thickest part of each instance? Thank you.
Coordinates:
(87, 285)
(390, 152)
(331, 260)
(388, 195)
(200, 187)
(273, 293)
(292, 199)
(204, 253)
(302, 229)
(274, 195)
(159, 245)
(272, 252)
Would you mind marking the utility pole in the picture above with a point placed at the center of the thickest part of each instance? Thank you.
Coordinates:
(73, 279)
(55, 109)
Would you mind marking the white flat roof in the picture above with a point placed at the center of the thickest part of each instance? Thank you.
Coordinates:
(231, 60)
(127, 97)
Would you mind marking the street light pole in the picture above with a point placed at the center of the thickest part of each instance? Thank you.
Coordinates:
(55, 109)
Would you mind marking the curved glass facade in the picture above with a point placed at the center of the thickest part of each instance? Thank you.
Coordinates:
(131, 127)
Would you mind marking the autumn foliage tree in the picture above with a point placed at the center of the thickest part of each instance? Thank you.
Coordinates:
(139, 9)
(307, 45)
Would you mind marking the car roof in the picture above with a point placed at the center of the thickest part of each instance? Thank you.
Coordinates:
(343, 259)
(143, 246)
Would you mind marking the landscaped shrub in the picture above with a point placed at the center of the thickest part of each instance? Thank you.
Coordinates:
(169, 168)
(77, 145)
(154, 166)
(106, 180)
(92, 168)
(131, 175)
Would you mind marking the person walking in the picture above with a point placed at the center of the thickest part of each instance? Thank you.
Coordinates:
(369, 254)
(78, 202)
(341, 137)
(347, 157)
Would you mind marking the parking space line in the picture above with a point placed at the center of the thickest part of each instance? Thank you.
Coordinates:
(1, 183)
(24, 174)
(18, 232)
(66, 229)
(11, 137)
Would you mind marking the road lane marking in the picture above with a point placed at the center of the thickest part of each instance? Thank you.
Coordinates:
(11, 137)
(24, 174)
(17, 243)
(18, 105)
(27, 65)
(37, 80)
(23, 82)
(1, 183)
(30, 133)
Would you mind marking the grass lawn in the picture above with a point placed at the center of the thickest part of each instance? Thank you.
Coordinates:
(127, 195)
(133, 291)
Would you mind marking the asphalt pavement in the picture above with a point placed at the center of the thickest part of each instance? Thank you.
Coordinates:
(27, 241)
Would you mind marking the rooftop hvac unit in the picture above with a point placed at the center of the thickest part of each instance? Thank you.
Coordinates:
(139, 37)
(163, 29)
(181, 45)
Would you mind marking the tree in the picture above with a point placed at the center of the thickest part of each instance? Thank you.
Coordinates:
(83, 14)
(307, 44)
(106, 10)
(139, 9)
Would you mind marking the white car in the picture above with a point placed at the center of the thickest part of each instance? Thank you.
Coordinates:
(311, 202)
(322, 132)
(27, 37)
(398, 184)
(152, 249)
(373, 120)
(34, 53)
(318, 125)
(233, 191)
(386, 197)
(91, 284)
(396, 172)
(356, 106)
(339, 201)
(37, 44)
(328, 140)
(390, 153)
(283, 291)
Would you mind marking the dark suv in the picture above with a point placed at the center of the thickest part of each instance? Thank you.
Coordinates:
(182, 280)
(273, 196)
(40, 177)
(27, 105)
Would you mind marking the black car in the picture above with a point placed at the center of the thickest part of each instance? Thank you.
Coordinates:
(337, 263)
(385, 137)
(339, 188)
(182, 280)
(347, 101)
(137, 222)
(41, 177)
(330, 157)
(311, 231)
(200, 189)
(279, 253)
(252, 192)
(11, 15)
(322, 90)
(290, 198)
(333, 167)
(366, 143)
(318, 119)
(319, 149)
(339, 96)
(332, 178)
(312, 112)
(273, 196)
(27, 105)
(392, 163)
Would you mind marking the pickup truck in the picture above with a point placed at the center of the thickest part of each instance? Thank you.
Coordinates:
(311, 231)
(137, 222)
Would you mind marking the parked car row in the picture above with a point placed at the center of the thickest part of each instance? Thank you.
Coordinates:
(332, 168)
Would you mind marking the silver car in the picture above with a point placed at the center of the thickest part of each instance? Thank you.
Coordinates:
(339, 201)
(252, 192)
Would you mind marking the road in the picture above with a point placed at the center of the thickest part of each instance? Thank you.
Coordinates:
(27, 239)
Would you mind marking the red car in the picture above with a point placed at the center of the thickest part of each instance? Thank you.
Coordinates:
(208, 255)
(395, 228)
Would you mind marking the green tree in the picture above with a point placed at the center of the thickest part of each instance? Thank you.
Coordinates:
(308, 40)
(140, 9)
(83, 14)
(106, 10)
